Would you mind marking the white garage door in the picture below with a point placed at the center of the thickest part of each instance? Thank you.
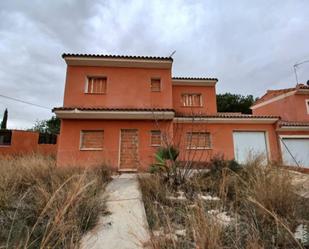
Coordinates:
(248, 144)
(295, 149)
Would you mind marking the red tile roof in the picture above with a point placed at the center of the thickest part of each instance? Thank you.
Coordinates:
(292, 123)
(193, 78)
(274, 93)
(179, 115)
(71, 108)
(224, 115)
(118, 56)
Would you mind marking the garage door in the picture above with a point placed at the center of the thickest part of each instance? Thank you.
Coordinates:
(248, 144)
(295, 150)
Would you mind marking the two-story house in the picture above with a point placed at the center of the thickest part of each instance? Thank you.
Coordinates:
(119, 109)
(292, 105)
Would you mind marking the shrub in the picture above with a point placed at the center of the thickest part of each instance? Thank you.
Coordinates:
(42, 206)
(262, 202)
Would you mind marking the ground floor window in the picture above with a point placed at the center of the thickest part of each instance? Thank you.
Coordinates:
(198, 140)
(91, 139)
(5, 137)
(156, 138)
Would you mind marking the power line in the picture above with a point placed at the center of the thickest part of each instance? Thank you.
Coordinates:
(24, 102)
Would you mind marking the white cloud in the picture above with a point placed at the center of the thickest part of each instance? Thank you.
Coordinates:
(249, 45)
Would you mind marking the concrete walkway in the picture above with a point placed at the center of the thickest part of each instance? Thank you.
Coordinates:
(126, 227)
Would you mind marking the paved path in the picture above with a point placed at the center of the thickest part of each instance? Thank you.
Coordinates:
(126, 227)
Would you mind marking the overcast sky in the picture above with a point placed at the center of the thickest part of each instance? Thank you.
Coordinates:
(250, 46)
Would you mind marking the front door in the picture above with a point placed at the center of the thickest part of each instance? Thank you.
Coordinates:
(128, 149)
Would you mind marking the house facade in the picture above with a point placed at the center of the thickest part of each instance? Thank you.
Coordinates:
(292, 105)
(118, 110)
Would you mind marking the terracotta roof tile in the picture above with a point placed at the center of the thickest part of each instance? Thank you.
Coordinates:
(193, 78)
(118, 56)
(293, 123)
(274, 93)
(71, 108)
(224, 115)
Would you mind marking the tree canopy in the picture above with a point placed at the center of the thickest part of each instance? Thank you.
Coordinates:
(228, 102)
(51, 126)
(4, 120)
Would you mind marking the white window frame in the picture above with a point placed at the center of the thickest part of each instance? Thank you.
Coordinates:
(90, 149)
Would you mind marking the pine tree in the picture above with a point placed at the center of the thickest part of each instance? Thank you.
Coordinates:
(4, 120)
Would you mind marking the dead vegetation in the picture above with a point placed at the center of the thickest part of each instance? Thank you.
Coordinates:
(42, 206)
(230, 206)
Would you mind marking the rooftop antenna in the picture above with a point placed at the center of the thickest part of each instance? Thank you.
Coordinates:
(295, 68)
(172, 53)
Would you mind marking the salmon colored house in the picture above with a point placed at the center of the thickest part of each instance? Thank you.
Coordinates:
(292, 105)
(119, 109)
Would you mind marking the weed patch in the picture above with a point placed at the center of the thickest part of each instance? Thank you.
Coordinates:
(42, 206)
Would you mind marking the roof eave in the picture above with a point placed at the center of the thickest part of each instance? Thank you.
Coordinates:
(128, 115)
(226, 120)
(136, 62)
(271, 100)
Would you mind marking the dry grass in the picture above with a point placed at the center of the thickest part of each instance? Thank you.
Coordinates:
(42, 206)
(261, 201)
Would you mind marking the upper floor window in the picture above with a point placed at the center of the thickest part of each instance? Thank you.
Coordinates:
(155, 85)
(96, 85)
(156, 138)
(5, 137)
(198, 140)
(92, 140)
(307, 105)
(192, 99)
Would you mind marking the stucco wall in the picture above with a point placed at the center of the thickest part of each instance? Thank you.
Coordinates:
(208, 99)
(69, 152)
(221, 136)
(25, 142)
(126, 88)
(291, 108)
